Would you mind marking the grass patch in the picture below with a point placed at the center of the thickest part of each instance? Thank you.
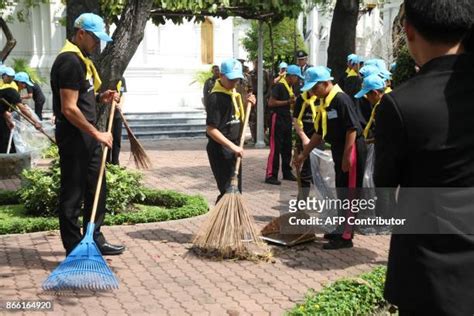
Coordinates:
(161, 206)
(362, 295)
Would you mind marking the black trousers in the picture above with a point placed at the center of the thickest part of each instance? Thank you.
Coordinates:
(222, 162)
(280, 145)
(344, 189)
(5, 137)
(79, 159)
(39, 109)
(113, 155)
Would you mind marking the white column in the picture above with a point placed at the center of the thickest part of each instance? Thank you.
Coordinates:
(260, 105)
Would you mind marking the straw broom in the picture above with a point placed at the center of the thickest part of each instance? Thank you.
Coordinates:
(230, 230)
(141, 159)
(85, 268)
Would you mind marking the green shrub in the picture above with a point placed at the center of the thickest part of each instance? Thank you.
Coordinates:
(15, 219)
(9, 197)
(355, 296)
(51, 152)
(123, 187)
(40, 190)
(168, 199)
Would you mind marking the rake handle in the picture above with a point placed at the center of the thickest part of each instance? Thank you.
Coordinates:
(27, 119)
(102, 165)
(242, 139)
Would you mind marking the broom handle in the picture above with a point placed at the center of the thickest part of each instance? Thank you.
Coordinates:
(28, 119)
(102, 165)
(242, 139)
(10, 139)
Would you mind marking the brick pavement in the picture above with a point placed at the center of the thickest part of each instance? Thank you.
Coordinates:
(160, 276)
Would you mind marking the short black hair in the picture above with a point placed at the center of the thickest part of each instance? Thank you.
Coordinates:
(215, 66)
(442, 21)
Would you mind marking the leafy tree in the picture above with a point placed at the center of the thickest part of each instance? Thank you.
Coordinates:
(283, 39)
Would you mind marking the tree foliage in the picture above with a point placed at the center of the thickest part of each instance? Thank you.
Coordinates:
(283, 39)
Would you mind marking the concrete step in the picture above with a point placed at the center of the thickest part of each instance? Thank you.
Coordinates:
(165, 127)
(168, 134)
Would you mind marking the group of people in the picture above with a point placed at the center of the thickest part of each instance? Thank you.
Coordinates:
(423, 136)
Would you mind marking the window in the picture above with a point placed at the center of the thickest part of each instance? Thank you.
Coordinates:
(207, 42)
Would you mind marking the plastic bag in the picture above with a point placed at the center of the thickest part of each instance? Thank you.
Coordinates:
(322, 168)
(28, 140)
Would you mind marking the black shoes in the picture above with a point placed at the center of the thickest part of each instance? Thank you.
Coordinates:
(289, 177)
(272, 180)
(332, 236)
(338, 243)
(111, 250)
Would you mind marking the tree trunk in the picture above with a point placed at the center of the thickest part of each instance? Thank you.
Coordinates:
(129, 33)
(272, 48)
(74, 8)
(343, 34)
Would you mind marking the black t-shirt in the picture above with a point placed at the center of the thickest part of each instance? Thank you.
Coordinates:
(280, 93)
(38, 95)
(221, 115)
(365, 110)
(307, 118)
(12, 96)
(342, 116)
(69, 72)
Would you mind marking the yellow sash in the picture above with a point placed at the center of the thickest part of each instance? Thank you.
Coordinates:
(352, 73)
(12, 85)
(372, 115)
(91, 70)
(321, 113)
(236, 99)
(287, 86)
(307, 101)
(348, 70)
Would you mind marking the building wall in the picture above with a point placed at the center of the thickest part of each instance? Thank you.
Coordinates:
(161, 73)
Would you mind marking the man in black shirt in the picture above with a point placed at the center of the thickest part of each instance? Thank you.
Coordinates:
(209, 84)
(34, 91)
(8, 91)
(114, 153)
(425, 140)
(338, 123)
(224, 116)
(302, 61)
(281, 100)
(74, 81)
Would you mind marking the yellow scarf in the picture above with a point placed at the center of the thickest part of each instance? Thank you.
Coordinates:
(12, 85)
(287, 86)
(372, 115)
(352, 73)
(347, 70)
(307, 101)
(91, 70)
(321, 113)
(236, 99)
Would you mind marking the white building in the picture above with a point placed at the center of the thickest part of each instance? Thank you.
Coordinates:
(160, 76)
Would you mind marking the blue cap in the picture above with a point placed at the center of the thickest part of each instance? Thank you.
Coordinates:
(372, 82)
(369, 70)
(385, 74)
(295, 71)
(313, 75)
(92, 23)
(351, 57)
(23, 77)
(232, 69)
(283, 65)
(8, 71)
(355, 59)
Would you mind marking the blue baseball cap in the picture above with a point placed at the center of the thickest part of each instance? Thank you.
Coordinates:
(372, 82)
(295, 71)
(313, 75)
(232, 69)
(369, 70)
(354, 59)
(283, 65)
(385, 74)
(9, 71)
(92, 23)
(393, 66)
(351, 57)
(23, 77)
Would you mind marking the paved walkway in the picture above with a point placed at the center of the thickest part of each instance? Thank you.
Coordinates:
(160, 276)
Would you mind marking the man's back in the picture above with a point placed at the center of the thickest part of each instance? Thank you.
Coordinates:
(425, 139)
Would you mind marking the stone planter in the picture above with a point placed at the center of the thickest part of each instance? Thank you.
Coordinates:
(11, 165)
